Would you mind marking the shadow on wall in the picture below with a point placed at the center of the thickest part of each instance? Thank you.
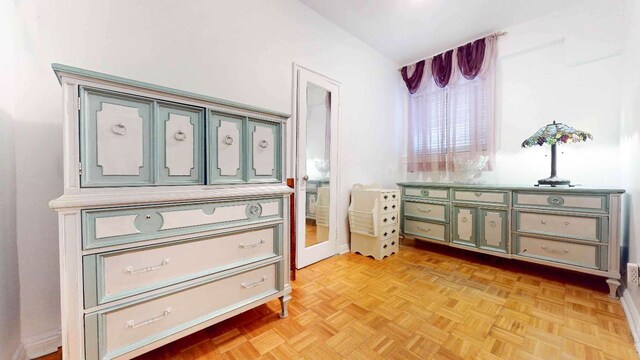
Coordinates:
(9, 275)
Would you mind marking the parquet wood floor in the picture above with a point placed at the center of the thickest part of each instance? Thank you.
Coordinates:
(423, 304)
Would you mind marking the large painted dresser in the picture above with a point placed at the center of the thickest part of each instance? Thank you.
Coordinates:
(572, 228)
(174, 214)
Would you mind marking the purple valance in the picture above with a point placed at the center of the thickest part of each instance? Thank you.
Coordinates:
(441, 67)
(470, 58)
(413, 82)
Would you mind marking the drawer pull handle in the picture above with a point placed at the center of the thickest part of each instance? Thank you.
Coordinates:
(251, 246)
(385, 220)
(264, 144)
(385, 233)
(393, 218)
(424, 229)
(464, 219)
(385, 246)
(131, 324)
(424, 210)
(228, 140)
(566, 223)
(565, 251)
(180, 135)
(478, 194)
(543, 222)
(393, 231)
(255, 209)
(129, 269)
(385, 207)
(119, 129)
(257, 283)
(424, 192)
(393, 196)
(393, 206)
(386, 197)
(493, 223)
(393, 243)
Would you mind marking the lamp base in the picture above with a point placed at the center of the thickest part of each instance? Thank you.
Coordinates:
(554, 181)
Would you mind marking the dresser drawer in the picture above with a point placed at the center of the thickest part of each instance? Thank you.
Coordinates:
(563, 252)
(427, 193)
(389, 219)
(115, 332)
(568, 226)
(114, 275)
(106, 227)
(390, 195)
(438, 212)
(485, 197)
(388, 232)
(428, 230)
(589, 203)
(389, 206)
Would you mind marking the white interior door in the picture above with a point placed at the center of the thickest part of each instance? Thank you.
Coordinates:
(317, 104)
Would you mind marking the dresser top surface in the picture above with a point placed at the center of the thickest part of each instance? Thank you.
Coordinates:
(545, 189)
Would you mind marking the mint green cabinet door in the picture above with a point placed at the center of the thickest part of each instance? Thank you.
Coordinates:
(115, 139)
(263, 146)
(464, 225)
(180, 138)
(493, 230)
(226, 148)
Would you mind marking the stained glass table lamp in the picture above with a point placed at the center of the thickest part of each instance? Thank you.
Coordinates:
(555, 134)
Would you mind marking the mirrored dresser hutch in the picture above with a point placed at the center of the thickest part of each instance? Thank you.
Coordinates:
(174, 215)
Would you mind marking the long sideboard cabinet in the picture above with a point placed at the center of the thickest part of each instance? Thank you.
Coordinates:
(572, 228)
(174, 216)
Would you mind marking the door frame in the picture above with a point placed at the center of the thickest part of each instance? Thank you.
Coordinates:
(292, 134)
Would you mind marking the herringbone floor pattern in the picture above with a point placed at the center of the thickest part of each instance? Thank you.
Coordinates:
(423, 304)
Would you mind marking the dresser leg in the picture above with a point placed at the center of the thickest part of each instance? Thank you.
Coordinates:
(284, 303)
(613, 287)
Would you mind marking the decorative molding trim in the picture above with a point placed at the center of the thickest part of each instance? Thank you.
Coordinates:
(344, 248)
(42, 344)
(633, 317)
(21, 353)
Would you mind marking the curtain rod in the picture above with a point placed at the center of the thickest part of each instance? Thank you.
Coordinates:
(497, 33)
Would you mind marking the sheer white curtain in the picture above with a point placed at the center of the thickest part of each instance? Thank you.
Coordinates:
(455, 121)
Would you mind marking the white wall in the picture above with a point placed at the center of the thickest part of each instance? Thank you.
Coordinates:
(630, 138)
(9, 281)
(565, 66)
(237, 50)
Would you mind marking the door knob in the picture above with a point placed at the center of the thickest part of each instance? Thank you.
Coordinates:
(305, 178)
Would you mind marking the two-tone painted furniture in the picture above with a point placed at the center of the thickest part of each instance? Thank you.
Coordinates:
(174, 214)
(373, 221)
(571, 228)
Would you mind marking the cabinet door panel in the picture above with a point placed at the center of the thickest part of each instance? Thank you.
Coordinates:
(180, 144)
(464, 220)
(493, 231)
(226, 145)
(115, 139)
(264, 154)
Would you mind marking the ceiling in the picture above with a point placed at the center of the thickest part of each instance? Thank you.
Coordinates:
(408, 30)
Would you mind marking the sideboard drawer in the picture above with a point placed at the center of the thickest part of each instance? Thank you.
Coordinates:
(589, 203)
(568, 226)
(113, 333)
(485, 197)
(438, 212)
(564, 252)
(104, 227)
(439, 232)
(427, 193)
(115, 275)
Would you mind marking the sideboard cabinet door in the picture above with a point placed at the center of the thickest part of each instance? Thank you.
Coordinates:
(464, 225)
(180, 144)
(493, 230)
(115, 139)
(226, 145)
(264, 152)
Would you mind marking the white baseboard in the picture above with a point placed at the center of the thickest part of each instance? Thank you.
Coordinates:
(43, 344)
(344, 248)
(21, 353)
(633, 317)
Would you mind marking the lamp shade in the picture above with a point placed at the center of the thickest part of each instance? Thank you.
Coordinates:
(556, 133)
